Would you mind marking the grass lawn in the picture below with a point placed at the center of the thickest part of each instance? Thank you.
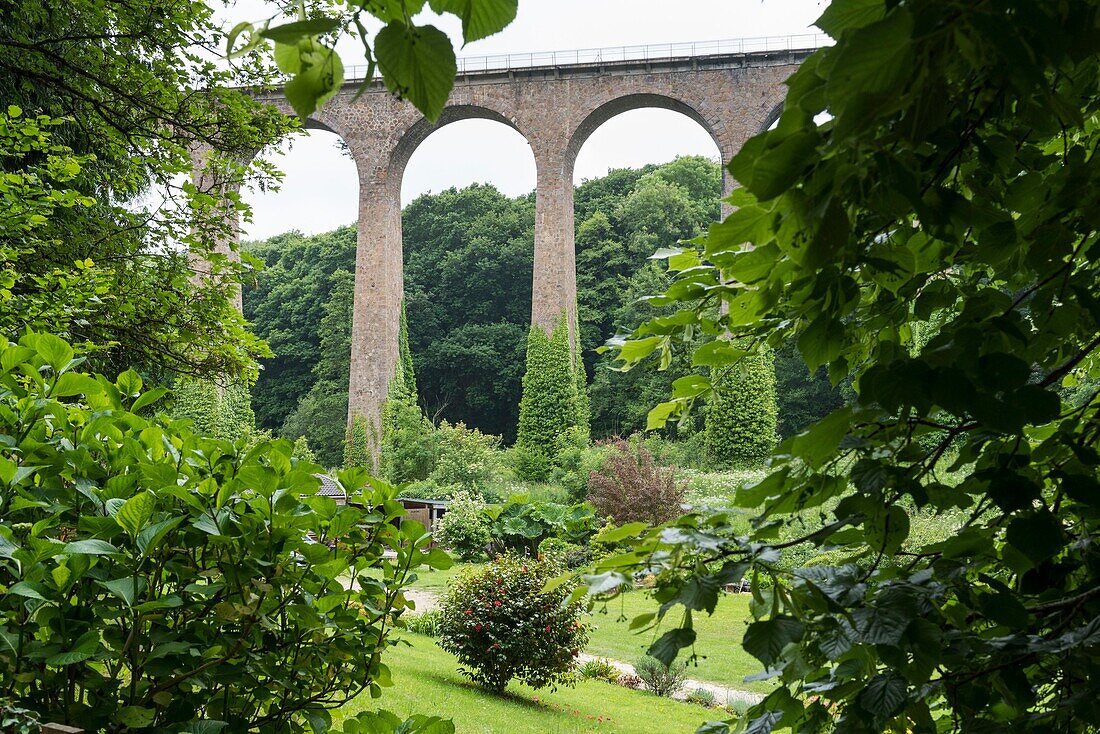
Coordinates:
(426, 681)
(719, 638)
(429, 579)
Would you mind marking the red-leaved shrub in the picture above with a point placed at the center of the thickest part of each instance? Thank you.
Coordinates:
(630, 486)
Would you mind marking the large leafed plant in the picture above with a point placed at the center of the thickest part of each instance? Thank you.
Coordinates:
(156, 580)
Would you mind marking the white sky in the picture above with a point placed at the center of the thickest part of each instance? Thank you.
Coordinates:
(320, 190)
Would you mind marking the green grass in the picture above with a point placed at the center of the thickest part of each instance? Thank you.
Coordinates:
(426, 682)
(718, 638)
(429, 579)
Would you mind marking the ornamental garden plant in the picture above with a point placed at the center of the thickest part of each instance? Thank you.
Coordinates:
(501, 624)
(158, 580)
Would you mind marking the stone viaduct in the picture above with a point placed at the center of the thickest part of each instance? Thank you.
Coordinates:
(555, 106)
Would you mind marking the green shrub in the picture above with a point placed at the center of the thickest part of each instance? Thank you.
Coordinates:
(702, 697)
(409, 443)
(138, 552)
(564, 553)
(465, 527)
(662, 680)
(575, 464)
(469, 460)
(501, 625)
(741, 418)
(15, 720)
(427, 623)
(550, 408)
(599, 669)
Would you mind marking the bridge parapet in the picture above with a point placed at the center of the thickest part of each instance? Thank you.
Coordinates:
(763, 50)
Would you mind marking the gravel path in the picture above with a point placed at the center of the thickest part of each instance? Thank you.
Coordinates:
(428, 600)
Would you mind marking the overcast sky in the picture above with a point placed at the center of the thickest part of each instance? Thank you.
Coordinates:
(320, 191)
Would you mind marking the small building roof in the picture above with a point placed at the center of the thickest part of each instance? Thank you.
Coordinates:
(329, 488)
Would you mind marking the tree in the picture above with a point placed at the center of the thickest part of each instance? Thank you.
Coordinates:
(952, 191)
(321, 415)
(131, 129)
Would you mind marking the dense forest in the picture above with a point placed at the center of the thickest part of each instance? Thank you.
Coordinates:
(468, 260)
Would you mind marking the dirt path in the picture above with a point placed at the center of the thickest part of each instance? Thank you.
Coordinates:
(428, 600)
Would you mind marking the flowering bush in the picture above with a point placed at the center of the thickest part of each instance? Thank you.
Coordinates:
(500, 624)
(465, 528)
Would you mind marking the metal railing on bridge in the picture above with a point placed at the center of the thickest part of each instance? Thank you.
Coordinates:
(655, 52)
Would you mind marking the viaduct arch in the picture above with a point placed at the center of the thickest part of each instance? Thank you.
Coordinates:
(555, 107)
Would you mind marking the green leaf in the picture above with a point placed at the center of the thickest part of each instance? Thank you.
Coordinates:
(299, 29)
(668, 645)
(319, 76)
(136, 717)
(127, 588)
(67, 658)
(418, 64)
(439, 559)
(1038, 536)
(630, 530)
(135, 513)
(129, 383)
(54, 350)
(148, 398)
(480, 18)
(884, 696)
(74, 383)
(842, 15)
(91, 547)
(27, 589)
(766, 639)
(874, 60)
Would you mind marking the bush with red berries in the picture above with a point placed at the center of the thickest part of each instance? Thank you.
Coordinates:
(501, 625)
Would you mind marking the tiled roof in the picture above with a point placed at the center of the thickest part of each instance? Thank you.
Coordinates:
(329, 488)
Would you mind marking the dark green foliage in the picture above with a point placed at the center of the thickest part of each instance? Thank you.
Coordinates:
(740, 428)
(804, 396)
(322, 414)
(549, 412)
(922, 221)
(468, 260)
(106, 262)
(298, 288)
(500, 624)
(160, 580)
(223, 412)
